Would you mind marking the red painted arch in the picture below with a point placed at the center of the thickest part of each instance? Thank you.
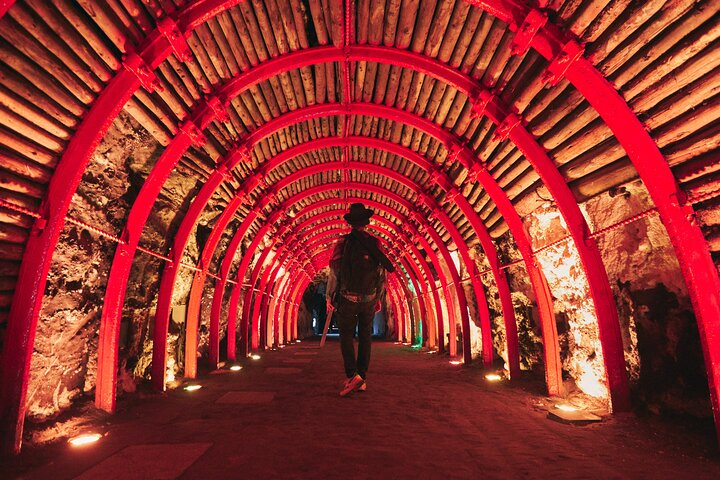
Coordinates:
(269, 275)
(378, 190)
(550, 41)
(290, 201)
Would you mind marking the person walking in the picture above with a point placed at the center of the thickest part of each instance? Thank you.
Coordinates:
(356, 286)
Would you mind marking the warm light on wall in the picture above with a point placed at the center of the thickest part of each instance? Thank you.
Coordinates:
(84, 439)
(592, 383)
(192, 388)
(255, 356)
(236, 368)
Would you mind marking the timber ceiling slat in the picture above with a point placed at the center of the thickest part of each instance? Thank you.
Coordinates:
(661, 55)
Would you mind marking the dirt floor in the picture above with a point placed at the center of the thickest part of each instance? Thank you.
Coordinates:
(421, 418)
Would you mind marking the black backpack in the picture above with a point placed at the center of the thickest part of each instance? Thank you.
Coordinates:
(360, 268)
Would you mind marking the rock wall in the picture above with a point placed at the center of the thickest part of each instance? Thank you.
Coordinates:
(662, 346)
(530, 341)
(660, 337)
(65, 358)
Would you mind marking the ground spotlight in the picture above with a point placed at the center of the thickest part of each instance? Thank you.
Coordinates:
(84, 439)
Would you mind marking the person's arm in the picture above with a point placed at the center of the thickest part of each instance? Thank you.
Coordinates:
(380, 291)
(330, 291)
(332, 285)
(384, 260)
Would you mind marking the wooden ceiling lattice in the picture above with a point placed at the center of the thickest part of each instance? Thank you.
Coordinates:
(59, 58)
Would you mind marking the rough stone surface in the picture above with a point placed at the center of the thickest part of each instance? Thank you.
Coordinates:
(660, 335)
(65, 358)
(580, 352)
(526, 314)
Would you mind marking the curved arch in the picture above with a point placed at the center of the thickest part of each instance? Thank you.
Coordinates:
(408, 249)
(246, 259)
(39, 249)
(550, 41)
(567, 60)
(286, 243)
(268, 276)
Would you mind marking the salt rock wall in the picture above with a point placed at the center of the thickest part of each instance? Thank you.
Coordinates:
(158, 235)
(660, 338)
(662, 347)
(530, 345)
(65, 357)
(580, 350)
(526, 314)
(472, 302)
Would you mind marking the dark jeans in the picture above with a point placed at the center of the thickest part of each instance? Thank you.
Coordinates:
(350, 315)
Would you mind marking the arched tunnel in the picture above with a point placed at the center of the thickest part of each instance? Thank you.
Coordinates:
(544, 177)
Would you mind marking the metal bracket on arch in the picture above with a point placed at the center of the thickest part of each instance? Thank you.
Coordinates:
(534, 21)
(169, 29)
(502, 131)
(135, 64)
(480, 103)
(194, 133)
(218, 108)
(571, 52)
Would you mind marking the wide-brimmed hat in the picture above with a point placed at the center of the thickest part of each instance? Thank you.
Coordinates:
(358, 215)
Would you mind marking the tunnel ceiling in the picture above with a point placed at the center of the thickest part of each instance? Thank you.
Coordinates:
(57, 59)
(273, 107)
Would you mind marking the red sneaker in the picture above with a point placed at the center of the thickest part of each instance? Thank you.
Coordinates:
(352, 384)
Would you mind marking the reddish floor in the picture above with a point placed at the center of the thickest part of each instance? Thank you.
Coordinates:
(281, 417)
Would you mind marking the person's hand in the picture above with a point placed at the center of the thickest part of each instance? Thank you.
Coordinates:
(328, 305)
(378, 306)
